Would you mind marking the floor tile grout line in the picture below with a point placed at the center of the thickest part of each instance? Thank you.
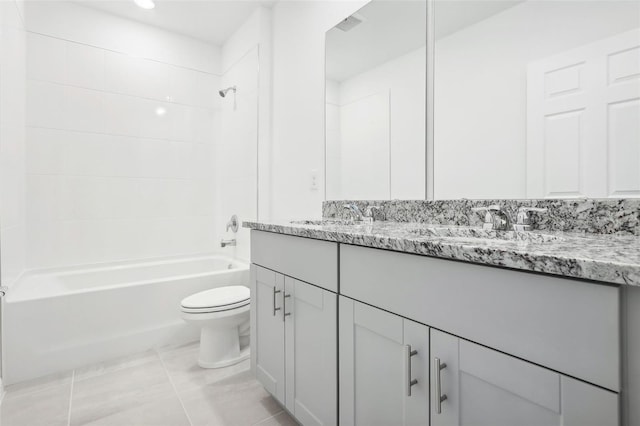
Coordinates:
(268, 418)
(73, 379)
(173, 386)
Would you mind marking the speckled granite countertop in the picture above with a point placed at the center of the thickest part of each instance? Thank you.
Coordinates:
(599, 257)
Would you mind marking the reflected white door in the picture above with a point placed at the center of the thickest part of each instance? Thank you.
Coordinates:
(583, 121)
(365, 148)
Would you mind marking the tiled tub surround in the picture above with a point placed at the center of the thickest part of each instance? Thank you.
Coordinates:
(612, 256)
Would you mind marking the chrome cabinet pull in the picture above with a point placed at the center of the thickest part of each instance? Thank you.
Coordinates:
(408, 353)
(438, 367)
(274, 301)
(284, 305)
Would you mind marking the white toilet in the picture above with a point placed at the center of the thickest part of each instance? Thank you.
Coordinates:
(221, 313)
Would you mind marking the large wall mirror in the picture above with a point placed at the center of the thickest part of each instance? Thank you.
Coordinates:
(537, 99)
(375, 102)
(531, 99)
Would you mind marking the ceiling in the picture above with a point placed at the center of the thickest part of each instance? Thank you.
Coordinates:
(389, 29)
(392, 28)
(213, 21)
(452, 16)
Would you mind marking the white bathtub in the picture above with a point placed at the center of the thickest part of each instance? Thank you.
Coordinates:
(55, 320)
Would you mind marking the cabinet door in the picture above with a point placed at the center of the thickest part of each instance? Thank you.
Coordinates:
(486, 387)
(267, 330)
(311, 354)
(377, 367)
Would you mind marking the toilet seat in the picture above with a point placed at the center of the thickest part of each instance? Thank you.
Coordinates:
(216, 300)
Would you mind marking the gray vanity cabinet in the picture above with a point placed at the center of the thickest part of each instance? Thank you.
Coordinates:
(384, 367)
(267, 330)
(294, 316)
(487, 387)
(310, 322)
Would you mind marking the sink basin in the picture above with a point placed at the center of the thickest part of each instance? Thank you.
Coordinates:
(475, 234)
(323, 222)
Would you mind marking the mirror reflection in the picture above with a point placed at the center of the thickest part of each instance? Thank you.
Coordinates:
(537, 99)
(375, 103)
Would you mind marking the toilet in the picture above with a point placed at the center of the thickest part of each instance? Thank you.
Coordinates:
(222, 315)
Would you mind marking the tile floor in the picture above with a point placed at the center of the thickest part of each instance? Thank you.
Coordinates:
(157, 388)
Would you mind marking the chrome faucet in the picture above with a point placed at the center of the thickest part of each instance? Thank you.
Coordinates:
(496, 219)
(499, 220)
(354, 211)
(233, 226)
(231, 242)
(368, 213)
(523, 220)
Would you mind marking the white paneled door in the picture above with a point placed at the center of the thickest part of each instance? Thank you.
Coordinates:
(583, 121)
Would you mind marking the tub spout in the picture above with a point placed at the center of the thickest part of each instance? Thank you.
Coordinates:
(225, 243)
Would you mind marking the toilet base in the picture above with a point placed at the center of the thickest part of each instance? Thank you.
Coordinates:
(244, 355)
(220, 346)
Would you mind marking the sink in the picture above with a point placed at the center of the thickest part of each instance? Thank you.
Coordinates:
(324, 222)
(476, 234)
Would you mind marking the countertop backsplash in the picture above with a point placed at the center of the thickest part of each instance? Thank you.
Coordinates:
(594, 216)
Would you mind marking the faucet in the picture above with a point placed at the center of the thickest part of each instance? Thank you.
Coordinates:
(233, 226)
(354, 211)
(499, 219)
(231, 242)
(495, 219)
(523, 220)
(368, 213)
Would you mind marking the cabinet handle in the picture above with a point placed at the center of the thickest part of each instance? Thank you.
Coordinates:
(438, 367)
(284, 305)
(408, 353)
(274, 301)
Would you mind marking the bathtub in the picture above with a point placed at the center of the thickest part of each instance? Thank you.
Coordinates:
(60, 319)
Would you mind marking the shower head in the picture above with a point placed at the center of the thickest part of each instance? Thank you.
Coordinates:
(223, 92)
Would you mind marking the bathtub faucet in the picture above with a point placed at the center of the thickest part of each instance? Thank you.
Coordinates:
(231, 242)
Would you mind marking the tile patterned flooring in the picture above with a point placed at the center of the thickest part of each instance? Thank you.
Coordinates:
(157, 388)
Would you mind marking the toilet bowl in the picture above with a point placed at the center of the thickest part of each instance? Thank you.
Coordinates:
(222, 315)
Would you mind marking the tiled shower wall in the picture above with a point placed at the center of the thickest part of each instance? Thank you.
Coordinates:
(120, 142)
(12, 142)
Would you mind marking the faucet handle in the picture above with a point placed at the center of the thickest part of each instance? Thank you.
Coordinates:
(488, 218)
(233, 223)
(493, 207)
(370, 209)
(523, 217)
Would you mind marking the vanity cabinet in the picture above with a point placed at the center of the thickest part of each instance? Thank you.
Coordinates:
(384, 368)
(294, 324)
(505, 347)
(480, 386)
(294, 356)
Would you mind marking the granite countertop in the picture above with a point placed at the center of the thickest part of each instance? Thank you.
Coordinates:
(607, 258)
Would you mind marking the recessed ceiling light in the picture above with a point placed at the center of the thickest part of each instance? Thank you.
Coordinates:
(145, 4)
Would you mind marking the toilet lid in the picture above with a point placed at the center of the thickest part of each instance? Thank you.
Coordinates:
(218, 299)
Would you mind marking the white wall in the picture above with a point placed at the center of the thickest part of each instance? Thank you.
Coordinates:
(12, 142)
(299, 102)
(480, 89)
(120, 139)
(401, 175)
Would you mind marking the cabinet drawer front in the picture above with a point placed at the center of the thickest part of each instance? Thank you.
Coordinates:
(566, 325)
(309, 260)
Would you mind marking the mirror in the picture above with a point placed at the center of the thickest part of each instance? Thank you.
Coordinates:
(376, 103)
(536, 99)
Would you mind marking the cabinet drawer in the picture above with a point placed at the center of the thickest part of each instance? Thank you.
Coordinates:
(566, 325)
(309, 260)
